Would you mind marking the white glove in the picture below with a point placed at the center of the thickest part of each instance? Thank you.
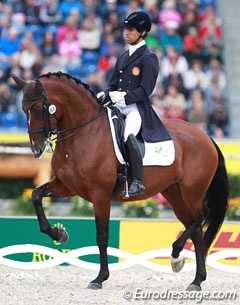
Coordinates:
(100, 94)
(117, 97)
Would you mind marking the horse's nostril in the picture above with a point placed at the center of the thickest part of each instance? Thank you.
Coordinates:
(37, 152)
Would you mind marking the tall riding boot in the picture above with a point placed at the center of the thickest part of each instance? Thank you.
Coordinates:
(136, 165)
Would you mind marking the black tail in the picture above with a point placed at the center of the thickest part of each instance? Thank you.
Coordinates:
(216, 201)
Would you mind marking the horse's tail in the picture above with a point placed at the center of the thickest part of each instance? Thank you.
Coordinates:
(217, 201)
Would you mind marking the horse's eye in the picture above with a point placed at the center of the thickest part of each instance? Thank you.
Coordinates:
(38, 106)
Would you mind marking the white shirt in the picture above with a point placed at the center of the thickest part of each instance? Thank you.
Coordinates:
(133, 48)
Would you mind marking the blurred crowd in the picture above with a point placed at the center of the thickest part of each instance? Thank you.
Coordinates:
(85, 37)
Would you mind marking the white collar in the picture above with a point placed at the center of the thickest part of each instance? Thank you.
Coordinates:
(132, 49)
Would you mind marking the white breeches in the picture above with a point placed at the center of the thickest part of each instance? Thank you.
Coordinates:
(133, 120)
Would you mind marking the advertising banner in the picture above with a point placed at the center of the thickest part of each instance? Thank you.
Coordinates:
(144, 242)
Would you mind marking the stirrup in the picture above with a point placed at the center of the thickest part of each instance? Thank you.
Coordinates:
(136, 188)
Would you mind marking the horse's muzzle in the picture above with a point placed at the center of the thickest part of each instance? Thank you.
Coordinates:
(38, 153)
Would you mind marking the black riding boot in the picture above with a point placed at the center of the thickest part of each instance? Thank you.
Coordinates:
(136, 165)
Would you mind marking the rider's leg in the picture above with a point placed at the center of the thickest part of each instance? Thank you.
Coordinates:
(133, 125)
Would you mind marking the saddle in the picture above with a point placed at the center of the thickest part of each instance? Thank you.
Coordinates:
(118, 120)
(157, 154)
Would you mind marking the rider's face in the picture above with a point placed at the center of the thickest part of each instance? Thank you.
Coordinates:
(131, 35)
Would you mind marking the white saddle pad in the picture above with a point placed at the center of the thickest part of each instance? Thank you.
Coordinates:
(159, 153)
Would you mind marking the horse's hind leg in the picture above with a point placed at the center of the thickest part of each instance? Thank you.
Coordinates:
(177, 261)
(50, 189)
(201, 274)
(193, 231)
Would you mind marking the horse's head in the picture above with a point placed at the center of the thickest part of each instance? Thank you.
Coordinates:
(38, 112)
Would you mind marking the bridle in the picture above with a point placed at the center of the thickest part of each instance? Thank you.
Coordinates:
(47, 129)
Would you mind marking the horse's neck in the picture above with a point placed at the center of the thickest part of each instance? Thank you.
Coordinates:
(78, 107)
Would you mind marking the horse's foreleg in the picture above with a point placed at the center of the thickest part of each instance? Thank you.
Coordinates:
(50, 189)
(102, 227)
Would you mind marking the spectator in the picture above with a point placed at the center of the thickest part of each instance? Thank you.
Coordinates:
(133, 6)
(108, 61)
(89, 36)
(18, 6)
(170, 37)
(30, 56)
(175, 103)
(50, 14)
(31, 13)
(152, 40)
(173, 63)
(152, 9)
(157, 100)
(48, 46)
(214, 96)
(216, 74)
(54, 64)
(190, 20)
(107, 7)
(190, 42)
(195, 77)
(169, 14)
(94, 81)
(212, 52)
(68, 26)
(5, 24)
(175, 79)
(66, 6)
(116, 28)
(210, 30)
(218, 122)
(197, 113)
(26, 39)
(7, 98)
(13, 68)
(70, 51)
(10, 44)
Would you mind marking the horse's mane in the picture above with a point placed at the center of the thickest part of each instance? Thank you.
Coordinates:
(77, 80)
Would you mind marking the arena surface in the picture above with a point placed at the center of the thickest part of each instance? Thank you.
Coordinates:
(137, 285)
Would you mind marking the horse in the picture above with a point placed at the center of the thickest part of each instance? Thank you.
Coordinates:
(84, 164)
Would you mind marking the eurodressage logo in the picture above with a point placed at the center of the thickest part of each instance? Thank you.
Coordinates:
(58, 225)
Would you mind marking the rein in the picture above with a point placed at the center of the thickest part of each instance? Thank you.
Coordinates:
(79, 127)
(48, 130)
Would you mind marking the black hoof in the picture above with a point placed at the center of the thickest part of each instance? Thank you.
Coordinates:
(94, 286)
(62, 236)
(193, 287)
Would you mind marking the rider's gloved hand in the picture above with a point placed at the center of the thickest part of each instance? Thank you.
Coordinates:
(103, 98)
(117, 97)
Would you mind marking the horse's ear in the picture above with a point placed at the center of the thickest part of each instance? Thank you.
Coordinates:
(38, 87)
(18, 80)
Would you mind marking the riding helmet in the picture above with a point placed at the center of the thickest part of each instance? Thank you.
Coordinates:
(138, 20)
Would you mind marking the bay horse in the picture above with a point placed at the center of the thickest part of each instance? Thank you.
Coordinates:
(84, 164)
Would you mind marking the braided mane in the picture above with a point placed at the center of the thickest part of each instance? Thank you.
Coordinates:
(77, 80)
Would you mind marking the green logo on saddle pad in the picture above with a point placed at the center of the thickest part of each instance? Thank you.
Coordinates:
(158, 149)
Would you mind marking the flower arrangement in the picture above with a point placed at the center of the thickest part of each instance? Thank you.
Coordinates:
(23, 205)
(233, 212)
(142, 208)
(81, 207)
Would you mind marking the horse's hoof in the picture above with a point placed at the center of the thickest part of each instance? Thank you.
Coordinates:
(177, 263)
(193, 287)
(94, 286)
(62, 236)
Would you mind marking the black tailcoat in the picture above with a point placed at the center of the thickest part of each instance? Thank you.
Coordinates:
(137, 75)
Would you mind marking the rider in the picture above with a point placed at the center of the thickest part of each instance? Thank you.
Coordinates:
(132, 82)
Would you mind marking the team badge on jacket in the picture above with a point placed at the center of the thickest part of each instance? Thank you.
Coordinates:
(135, 71)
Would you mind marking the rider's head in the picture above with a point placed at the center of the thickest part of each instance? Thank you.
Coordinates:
(140, 21)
